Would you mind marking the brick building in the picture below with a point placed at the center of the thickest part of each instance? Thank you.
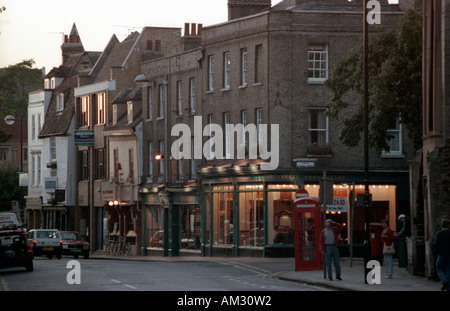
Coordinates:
(264, 66)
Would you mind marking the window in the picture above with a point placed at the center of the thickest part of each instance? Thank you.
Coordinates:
(317, 63)
(259, 120)
(38, 171)
(395, 140)
(317, 127)
(192, 98)
(130, 164)
(33, 127)
(161, 161)
(84, 111)
(258, 63)
(180, 163)
(100, 164)
(101, 104)
(60, 102)
(150, 104)
(130, 112)
(243, 67)
(115, 113)
(150, 159)
(212, 146)
(226, 121)
(193, 169)
(210, 73)
(244, 133)
(52, 148)
(4, 154)
(179, 98)
(84, 165)
(162, 100)
(116, 163)
(226, 70)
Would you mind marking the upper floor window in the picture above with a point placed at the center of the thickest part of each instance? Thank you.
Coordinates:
(84, 111)
(192, 96)
(317, 127)
(210, 73)
(60, 102)
(129, 112)
(259, 121)
(150, 103)
(394, 140)
(179, 98)
(226, 70)
(226, 121)
(52, 148)
(243, 67)
(162, 100)
(258, 63)
(101, 111)
(317, 63)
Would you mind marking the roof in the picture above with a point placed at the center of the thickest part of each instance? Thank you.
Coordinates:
(57, 123)
(333, 6)
(114, 55)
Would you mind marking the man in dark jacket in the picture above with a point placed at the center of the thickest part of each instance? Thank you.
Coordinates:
(442, 248)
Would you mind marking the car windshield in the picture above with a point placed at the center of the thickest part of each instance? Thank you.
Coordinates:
(69, 236)
(47, 235)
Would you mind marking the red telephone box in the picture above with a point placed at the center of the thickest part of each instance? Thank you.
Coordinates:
(307, 226)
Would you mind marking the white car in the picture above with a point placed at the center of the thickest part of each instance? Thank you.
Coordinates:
(46, 242)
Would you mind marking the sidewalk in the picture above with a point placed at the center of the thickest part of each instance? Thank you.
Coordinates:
(352, 277)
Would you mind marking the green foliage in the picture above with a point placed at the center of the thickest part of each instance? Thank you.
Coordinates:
(10, 189)
(395, 85)
(16, 82)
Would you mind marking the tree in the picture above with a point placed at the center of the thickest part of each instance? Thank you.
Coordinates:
(10, 189)
(16, 81)
(395, 86)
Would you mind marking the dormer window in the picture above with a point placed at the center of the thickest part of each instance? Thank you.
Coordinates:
(115, 112)
(46, 84)
(130, 112)
(60, 102)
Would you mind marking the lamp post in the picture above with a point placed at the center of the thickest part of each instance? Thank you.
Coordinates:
(367, 249)
(10, 120)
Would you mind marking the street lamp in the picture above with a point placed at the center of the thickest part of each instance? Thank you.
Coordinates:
(10, 120)
(367, 249)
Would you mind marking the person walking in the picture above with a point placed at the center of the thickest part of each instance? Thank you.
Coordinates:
(388, 238)
(328, 242)
(442, 248)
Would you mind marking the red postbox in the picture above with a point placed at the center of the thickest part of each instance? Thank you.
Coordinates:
(307, 226)
(376, 244)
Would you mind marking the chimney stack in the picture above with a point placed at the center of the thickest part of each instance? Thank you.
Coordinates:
(242, 8)
(72, 44)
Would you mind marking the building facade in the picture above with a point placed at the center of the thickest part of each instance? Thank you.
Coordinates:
(263, 69)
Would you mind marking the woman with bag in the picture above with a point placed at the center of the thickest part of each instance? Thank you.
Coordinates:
(388, 237)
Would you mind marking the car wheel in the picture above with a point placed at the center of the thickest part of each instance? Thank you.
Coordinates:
(75, 256)
(86, 256)
(29, 265)
(50, 256)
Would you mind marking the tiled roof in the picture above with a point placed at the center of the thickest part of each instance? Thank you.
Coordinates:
(57, 123)
(115, 57)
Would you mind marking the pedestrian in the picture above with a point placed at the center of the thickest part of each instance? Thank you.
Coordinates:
(442, 248)
(328, 242)
(402, 232)
(388, 238)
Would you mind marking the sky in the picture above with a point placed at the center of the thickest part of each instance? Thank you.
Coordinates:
(33, 29)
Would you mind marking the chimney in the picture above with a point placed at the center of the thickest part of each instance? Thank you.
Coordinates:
(242, 8)
(72, 44)
(192, 35)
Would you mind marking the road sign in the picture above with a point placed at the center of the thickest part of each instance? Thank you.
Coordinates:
(301, 193)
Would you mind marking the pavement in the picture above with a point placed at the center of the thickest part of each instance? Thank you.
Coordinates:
(352, 273)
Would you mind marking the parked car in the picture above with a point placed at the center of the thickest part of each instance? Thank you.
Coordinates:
(14, 249)
(45, 242)
(74, 245)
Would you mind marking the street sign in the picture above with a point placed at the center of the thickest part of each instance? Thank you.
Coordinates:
(84, 138)
(301, 193)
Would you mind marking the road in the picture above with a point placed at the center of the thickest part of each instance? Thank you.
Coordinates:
(120, 275)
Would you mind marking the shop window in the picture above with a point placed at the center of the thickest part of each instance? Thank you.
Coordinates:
(280, 214)
(223, 215)
(190, 227)
(251, 215)
(155, 226)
